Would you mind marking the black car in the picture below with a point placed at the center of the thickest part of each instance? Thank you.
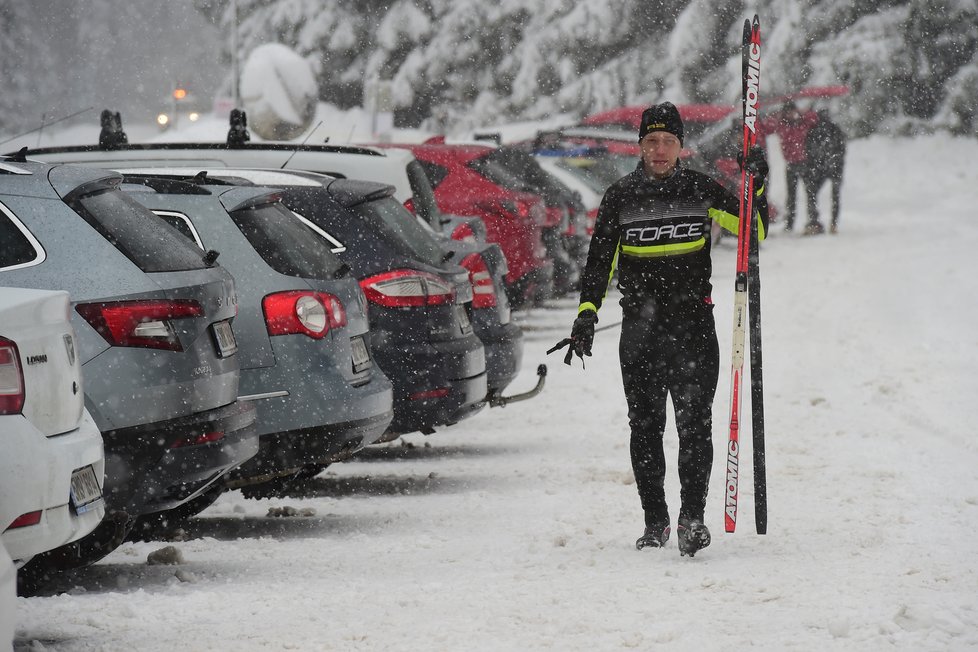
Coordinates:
(420, 303)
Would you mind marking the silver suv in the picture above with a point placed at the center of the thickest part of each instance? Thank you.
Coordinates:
(152, 314)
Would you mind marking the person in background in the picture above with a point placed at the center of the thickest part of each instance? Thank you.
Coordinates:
(825, 149)
(792, 126)
(655, 222)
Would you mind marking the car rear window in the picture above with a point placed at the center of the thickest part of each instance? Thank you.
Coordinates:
(507, 169)
(286, 244)
(16, 248)
(402, 230)
(148, 242)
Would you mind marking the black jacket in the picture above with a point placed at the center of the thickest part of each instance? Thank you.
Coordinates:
(659, 231)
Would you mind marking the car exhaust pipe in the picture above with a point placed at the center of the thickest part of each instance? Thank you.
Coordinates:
(502, 401)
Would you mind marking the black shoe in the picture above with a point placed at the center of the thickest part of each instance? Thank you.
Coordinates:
(815, 228)
(692, 535)
(655, 537)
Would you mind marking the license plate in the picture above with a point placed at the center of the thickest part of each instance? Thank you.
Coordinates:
(224, 336)
(361, 357)
(462, 317)
(85, 492)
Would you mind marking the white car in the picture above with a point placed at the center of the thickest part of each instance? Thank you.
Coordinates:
(8, 598)
(52, 463)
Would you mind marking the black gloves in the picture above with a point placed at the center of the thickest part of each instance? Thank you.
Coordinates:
(582, 333)
(756, 164)
(582, 336)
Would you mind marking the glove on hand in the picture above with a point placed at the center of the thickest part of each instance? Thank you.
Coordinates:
(582, 333)
(756, 164)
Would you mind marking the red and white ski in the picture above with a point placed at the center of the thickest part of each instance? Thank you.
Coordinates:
(751, 65)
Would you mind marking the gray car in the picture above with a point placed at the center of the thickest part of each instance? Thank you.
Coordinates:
(152, 316)
(302, 329)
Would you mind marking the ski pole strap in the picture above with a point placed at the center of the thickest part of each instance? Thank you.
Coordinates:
(569, 356)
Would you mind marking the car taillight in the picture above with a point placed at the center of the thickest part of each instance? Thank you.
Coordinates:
(197, 440)
(302, 312)
(483, 289)
(140, 323)
(463, 233)
(406, 287)
(30, 518)
(409, 204)
(11, 379)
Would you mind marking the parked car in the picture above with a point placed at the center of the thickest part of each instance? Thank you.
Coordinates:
(567, 241)
(152, 317)
(485, 263)
(8, 597)
(53, 466)
(515, 219)
(302, 329)
(420, 305)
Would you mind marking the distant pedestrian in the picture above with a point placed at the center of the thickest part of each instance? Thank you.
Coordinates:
(655, 223)
(825, 148)
(792, 126)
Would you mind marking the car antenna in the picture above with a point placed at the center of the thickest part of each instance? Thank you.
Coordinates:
(20, 156)
(210, 258)
(304, 141)
(46, 124)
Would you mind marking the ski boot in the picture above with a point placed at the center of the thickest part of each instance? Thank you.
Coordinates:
(655, 536)
(692, 535)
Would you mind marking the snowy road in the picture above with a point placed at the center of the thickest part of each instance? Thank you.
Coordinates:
(515, 529)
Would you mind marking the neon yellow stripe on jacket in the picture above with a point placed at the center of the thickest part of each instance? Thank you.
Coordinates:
(731, 222)
(664, 250)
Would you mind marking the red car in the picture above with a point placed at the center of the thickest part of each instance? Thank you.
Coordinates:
(514, 220)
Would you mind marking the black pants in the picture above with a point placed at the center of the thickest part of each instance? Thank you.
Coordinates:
(671, 352)
(795, 173)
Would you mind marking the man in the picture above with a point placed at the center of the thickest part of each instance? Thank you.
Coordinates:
(656, 223)
(792, 127)
(825, 149)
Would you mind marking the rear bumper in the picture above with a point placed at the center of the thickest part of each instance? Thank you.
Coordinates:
(285, 453)
(504, 351)
(40, 479)
(321, 418)
(464, 398)
(435, 383)
(145, 473)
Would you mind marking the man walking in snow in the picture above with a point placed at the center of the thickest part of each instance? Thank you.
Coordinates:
(655, 222)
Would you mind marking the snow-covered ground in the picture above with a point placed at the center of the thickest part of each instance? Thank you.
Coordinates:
(514, 530)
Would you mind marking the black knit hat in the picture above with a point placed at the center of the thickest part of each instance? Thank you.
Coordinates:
(661, 117)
